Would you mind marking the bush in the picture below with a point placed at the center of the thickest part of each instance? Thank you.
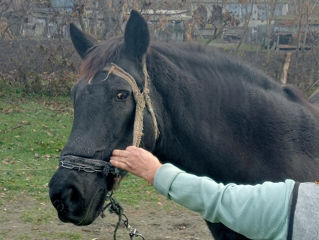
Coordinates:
(38, 67)
(50, 84)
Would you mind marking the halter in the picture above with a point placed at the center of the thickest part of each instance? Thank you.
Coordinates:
(142, 99)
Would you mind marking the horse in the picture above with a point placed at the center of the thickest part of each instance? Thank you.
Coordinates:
(207, 113)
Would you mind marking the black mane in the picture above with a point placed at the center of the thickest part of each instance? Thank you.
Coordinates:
(100, 55)
(190, 57)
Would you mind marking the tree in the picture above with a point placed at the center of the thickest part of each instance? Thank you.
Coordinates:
(14, 14)
(246, 4)
(271, 5)
(80, 10)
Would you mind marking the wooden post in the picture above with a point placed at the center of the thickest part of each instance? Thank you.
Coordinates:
(285, 69)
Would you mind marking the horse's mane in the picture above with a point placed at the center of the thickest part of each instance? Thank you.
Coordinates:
(185, 56)
(100, 55)
(192, 55)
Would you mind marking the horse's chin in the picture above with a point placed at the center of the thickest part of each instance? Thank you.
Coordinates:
(85, 222)
(77, 222)
(87, 218)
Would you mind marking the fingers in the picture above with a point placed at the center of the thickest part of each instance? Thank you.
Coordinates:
(120, 153)
(136, 161)
(121, 159)
(131, 148)
(128, 159)
(119, 164)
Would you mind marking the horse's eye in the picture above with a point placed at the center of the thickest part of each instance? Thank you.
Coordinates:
(122, 95)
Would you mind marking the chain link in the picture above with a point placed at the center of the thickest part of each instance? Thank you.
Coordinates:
(115, 207)
(88, 165)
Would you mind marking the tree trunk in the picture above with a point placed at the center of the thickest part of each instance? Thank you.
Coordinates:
(103, 5)
(300, 17)
(306, 28)
(81, 21)
(272, 7)
(80, 8)
(246, 27)
(220, 28)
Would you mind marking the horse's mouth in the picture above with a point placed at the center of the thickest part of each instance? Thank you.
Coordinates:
(91, 212)
(90, 216)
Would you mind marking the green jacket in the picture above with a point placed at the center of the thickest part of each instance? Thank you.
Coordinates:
(257, 212)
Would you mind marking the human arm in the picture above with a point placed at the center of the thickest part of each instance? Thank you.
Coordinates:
(258, 212)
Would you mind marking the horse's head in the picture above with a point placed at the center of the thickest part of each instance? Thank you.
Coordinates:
(105, 103)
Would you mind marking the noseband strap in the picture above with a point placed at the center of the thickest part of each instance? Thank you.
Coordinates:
(87, 165)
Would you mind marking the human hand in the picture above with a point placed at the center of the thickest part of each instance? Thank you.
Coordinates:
(136, 161)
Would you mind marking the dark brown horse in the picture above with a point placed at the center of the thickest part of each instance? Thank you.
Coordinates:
(216, 116)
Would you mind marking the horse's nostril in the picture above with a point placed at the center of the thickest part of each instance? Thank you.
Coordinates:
(58, 205)
(74, 194)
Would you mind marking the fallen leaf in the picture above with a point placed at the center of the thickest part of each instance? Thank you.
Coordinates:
(25, 122)
(7, 111)
(5, 161)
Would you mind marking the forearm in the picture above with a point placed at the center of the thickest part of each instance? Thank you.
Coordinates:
(258, 212)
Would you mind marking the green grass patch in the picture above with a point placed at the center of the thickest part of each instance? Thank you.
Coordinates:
(133, 191)
(33, 131)
(39, 215)
(71, 236)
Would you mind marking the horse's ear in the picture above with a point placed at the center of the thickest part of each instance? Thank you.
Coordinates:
(81, 41)
(136, 35)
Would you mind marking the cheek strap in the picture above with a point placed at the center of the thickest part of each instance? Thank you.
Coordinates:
(142, 100)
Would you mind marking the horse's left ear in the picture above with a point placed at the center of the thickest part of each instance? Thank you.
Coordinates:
(81, 41)
(136, 36)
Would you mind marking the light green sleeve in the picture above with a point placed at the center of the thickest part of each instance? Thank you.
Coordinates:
(258, 212)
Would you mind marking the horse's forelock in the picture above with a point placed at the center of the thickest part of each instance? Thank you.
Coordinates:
(99, 56)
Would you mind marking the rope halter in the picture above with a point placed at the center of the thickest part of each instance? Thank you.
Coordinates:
(142, 99)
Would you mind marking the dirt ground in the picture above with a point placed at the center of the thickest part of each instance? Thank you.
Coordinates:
(26, 218)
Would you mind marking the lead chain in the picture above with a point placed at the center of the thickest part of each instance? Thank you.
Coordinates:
(115, 207)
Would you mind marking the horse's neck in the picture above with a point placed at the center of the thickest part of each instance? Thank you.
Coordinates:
(219, 128)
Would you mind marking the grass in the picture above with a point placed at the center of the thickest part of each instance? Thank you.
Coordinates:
(33, 131)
